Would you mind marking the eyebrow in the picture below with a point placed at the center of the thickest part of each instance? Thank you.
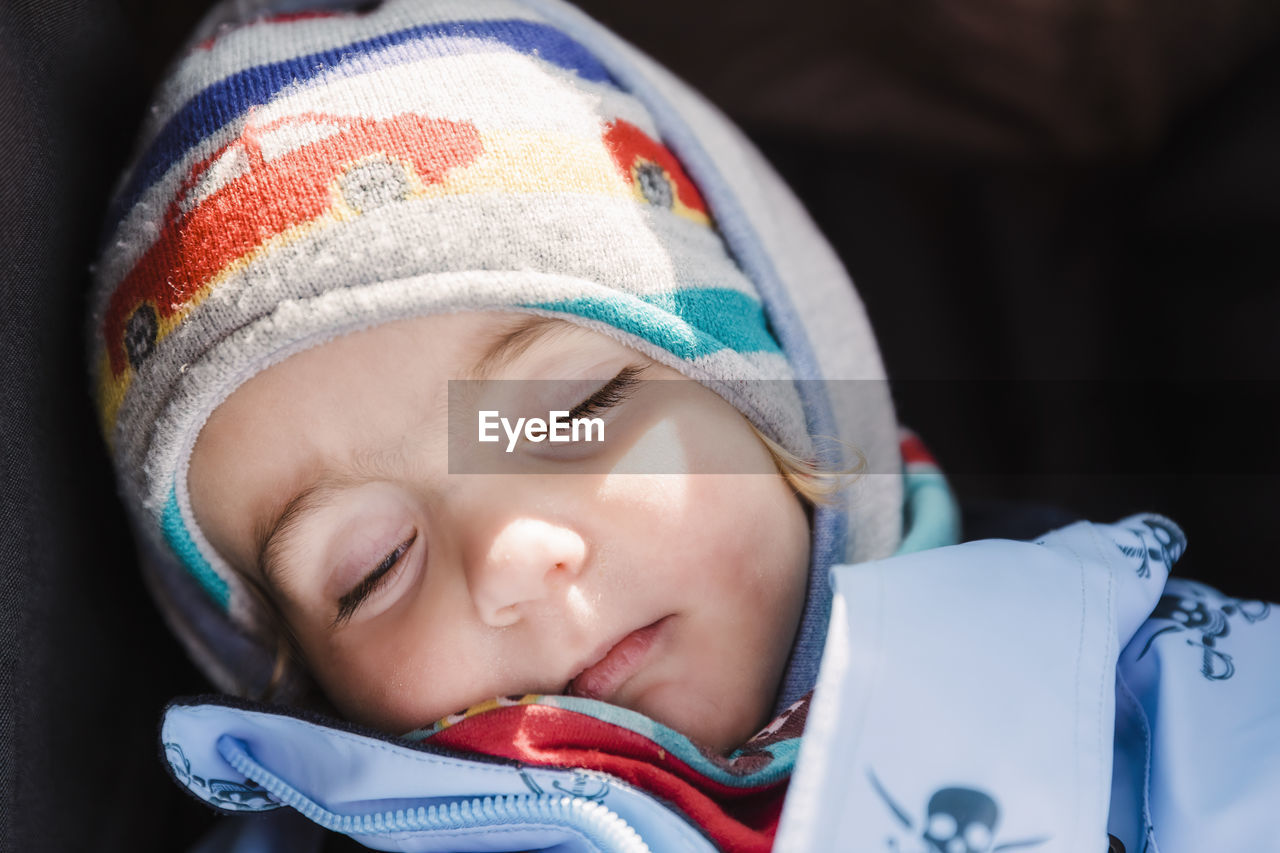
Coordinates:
(271, 535)
(508, 345)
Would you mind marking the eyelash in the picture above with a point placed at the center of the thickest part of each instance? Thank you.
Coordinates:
(610, 394)
(349, 603)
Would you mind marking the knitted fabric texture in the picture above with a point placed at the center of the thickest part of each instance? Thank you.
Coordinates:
(308, 174)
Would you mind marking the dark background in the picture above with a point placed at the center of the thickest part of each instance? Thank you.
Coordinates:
(1062, 218)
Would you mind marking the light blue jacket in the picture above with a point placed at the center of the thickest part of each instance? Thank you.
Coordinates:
(989, 696)
(1037, 696)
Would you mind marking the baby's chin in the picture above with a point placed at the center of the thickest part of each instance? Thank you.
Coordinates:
(710, 722)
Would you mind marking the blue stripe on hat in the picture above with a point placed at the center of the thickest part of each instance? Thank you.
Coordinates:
(232, 96)
(179, 538)
(705, 320)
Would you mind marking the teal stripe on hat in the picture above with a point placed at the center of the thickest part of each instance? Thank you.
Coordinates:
(932, 513)
(175, 531)
(686, 323)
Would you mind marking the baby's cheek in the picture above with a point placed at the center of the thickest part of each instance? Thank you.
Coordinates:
(648, 496)
(374, 678)
(409, 673)
(743, 513)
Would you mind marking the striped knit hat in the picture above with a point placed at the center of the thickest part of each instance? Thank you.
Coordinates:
(308, 173)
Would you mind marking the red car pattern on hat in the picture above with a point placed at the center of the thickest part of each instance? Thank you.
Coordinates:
(272, 179)
(655, 174)
(278, 178)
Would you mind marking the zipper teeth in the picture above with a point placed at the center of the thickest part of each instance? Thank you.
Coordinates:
(603, 828)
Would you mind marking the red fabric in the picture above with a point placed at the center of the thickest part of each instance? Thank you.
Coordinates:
(913, 450)
(736, 819)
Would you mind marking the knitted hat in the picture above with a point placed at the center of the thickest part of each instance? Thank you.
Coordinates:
(307, 174)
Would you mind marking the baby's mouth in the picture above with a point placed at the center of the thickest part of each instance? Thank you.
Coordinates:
(603, 678)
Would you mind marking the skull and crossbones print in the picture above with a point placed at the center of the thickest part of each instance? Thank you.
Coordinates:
(1189, 609)
(956, 820)
(1158, 541)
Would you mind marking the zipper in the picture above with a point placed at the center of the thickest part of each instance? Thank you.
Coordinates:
(599, 825)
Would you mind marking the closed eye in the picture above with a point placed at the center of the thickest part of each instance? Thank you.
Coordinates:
(610, 394)
(350, 602)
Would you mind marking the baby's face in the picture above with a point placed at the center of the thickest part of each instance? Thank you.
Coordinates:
(414, 592)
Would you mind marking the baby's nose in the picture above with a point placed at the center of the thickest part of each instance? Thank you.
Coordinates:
(528, 559)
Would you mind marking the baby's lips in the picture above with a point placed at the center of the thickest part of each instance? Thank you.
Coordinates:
(604, 677)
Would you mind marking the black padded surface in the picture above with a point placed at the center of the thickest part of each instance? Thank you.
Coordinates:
(1098, 336)
(87, 664)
